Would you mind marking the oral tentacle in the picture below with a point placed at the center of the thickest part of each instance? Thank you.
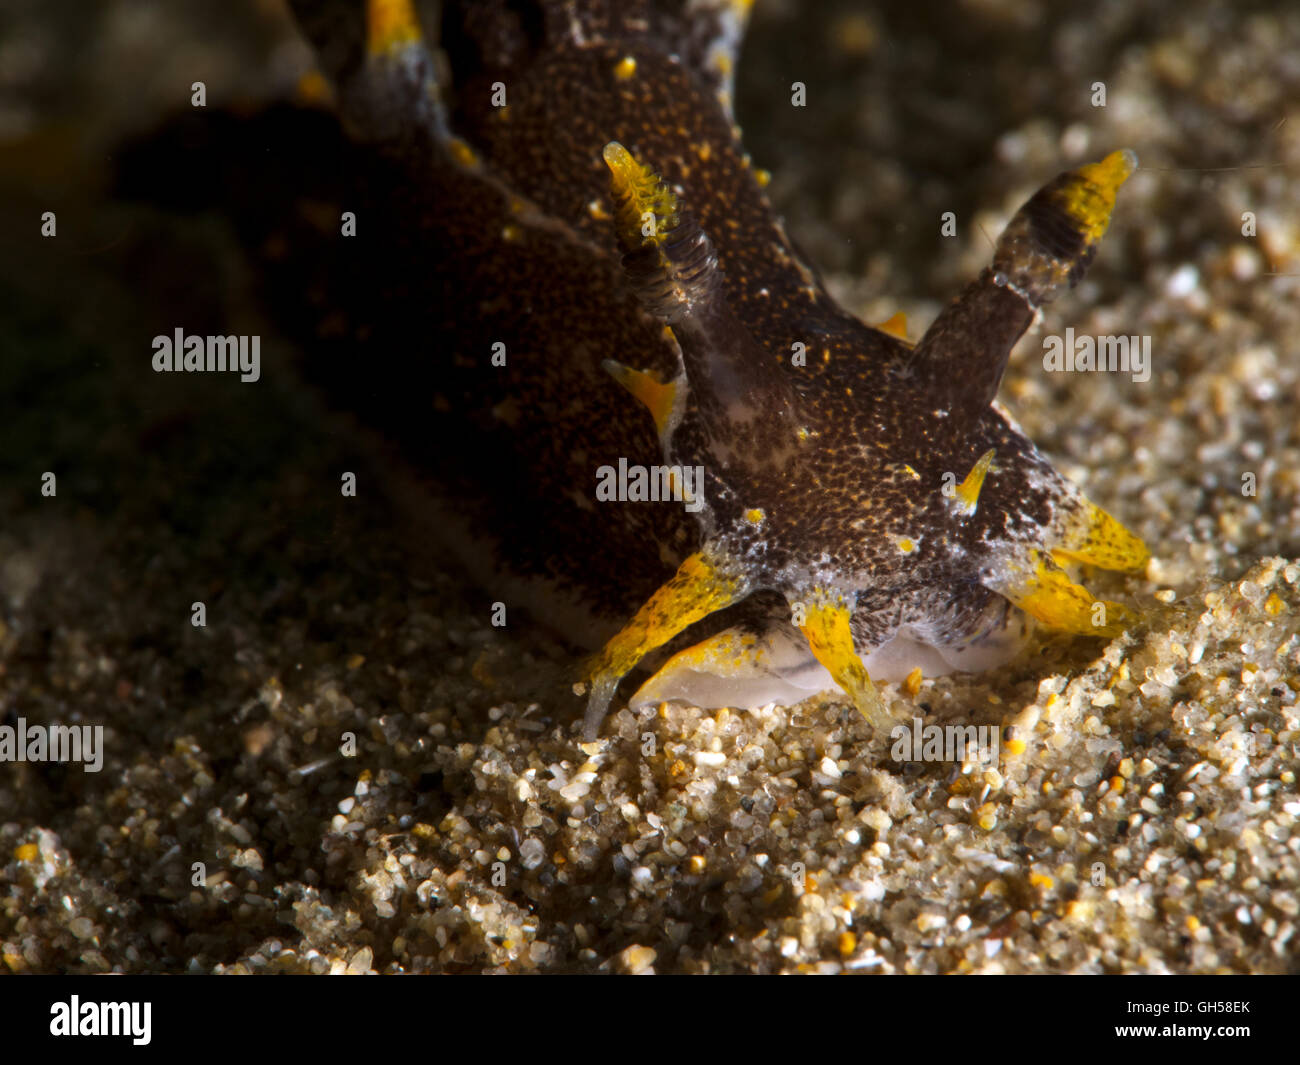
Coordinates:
(706, 582)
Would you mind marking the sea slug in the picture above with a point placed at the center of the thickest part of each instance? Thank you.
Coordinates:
(553, 210)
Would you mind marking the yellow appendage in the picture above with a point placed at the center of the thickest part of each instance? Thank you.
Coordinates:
(895, 325)
(826, 627)
(1089, 196)
(1045, 592)
(967, 494)
(390, 24)
(647, 208)
(1095, 538)
(657, 397)
(696, 590)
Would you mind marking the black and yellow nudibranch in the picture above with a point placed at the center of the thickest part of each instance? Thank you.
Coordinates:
(575, 193)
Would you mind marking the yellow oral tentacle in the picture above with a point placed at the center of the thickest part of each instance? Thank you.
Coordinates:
(700, 586)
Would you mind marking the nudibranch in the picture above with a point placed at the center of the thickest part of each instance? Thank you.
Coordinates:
(574, 197)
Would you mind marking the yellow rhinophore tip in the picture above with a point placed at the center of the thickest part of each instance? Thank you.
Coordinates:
(830, 638)
(966, 496)
(390, 24)
(1093, 537)
(647, 208)
(1088, 195)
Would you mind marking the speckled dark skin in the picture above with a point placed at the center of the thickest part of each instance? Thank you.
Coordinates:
(486, 224)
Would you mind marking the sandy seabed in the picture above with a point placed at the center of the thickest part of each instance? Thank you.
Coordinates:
(1148, 825)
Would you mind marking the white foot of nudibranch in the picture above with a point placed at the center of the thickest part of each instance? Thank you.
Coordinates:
(746, 670)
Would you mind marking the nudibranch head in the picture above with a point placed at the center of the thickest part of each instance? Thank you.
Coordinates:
(890, 503)
(861, 502)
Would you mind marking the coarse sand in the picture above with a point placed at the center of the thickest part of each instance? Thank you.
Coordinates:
(349, 768)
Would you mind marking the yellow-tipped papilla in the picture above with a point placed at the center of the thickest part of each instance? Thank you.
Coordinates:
(658, 398)
(895, 325)
(966, 496)
(391, 24)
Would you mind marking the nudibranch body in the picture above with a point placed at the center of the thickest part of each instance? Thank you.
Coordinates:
(571, 211)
